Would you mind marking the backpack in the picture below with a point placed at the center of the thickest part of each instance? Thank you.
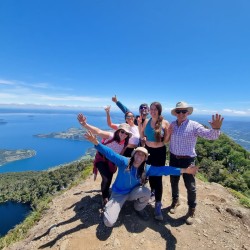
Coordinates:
(101, 158)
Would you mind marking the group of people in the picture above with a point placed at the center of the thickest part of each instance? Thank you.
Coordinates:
(138, 150)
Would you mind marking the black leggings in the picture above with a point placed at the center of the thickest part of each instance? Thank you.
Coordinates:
(157, 158)
(106, 178)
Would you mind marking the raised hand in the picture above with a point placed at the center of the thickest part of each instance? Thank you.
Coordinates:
(90, 137)
(216, 121)
(107, 109)
(82, 119)
(114, 99)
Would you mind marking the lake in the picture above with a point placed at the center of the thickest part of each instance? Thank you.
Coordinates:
(11, 214)
(18, 127)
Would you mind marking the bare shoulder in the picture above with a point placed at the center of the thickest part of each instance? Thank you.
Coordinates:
(165, 123)
(145, 122)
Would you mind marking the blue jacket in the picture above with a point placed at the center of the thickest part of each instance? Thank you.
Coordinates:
(124, 109)
(127, 180)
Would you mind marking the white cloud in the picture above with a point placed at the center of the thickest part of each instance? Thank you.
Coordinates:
(6, 82)
(238, 112)
(38, 85)
(41, 85)
(44, 93)
(7, 96)
(36, 93)
(72, 98)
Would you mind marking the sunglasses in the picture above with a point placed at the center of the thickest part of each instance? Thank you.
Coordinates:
(143, 107)
(129, 116)
(123, 132)
(181, 111)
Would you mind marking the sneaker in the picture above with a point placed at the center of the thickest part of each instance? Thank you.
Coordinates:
(152, 198)
(142, 214)
(158, 213)
(190, 216)
(174, 205)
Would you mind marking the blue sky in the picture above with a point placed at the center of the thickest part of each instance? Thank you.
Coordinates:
(80, 53)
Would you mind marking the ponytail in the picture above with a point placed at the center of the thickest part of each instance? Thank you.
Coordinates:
(158, 124)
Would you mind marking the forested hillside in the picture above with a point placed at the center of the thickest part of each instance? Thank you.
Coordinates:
(222, 161)
(30, 187)
(225, 162)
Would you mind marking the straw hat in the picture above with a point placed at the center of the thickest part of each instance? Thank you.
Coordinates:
(182, 105)
(125, 127)
(141, 149)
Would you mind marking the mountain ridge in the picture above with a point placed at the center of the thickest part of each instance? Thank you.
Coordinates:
(73, 221)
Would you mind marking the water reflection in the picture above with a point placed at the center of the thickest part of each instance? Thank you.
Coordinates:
(12, 214)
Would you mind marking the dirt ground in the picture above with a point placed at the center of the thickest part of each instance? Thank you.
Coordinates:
(73, 222)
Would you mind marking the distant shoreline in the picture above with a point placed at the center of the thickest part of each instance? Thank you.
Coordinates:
(97, 110)
(7, 156)
(71, 133)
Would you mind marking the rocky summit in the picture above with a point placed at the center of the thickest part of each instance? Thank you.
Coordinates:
(73, 222)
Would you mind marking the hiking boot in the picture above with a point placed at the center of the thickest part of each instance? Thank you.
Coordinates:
(158, 213)
(174, 205)
(142, 214)
(190, 216)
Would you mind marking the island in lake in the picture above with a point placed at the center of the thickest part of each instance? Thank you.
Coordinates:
(71, 133)
(7, 156)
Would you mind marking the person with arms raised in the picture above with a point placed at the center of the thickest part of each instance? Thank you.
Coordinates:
(130, 180)
(117, 141)
(129, 119)
(143, 110)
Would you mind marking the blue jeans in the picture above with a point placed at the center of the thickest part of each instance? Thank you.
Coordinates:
(189, 180)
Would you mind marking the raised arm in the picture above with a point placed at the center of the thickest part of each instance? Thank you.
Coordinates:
(118, 159)
(140, 126)
(216, 122)
(214, 132)
(109, 122)
(83, 121)
(123, 108)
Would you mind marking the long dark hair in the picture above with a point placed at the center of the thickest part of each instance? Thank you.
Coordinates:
(158, 124)
(141, 174)
(116, 138)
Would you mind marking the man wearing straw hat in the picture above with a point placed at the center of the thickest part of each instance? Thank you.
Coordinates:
(183, 138)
